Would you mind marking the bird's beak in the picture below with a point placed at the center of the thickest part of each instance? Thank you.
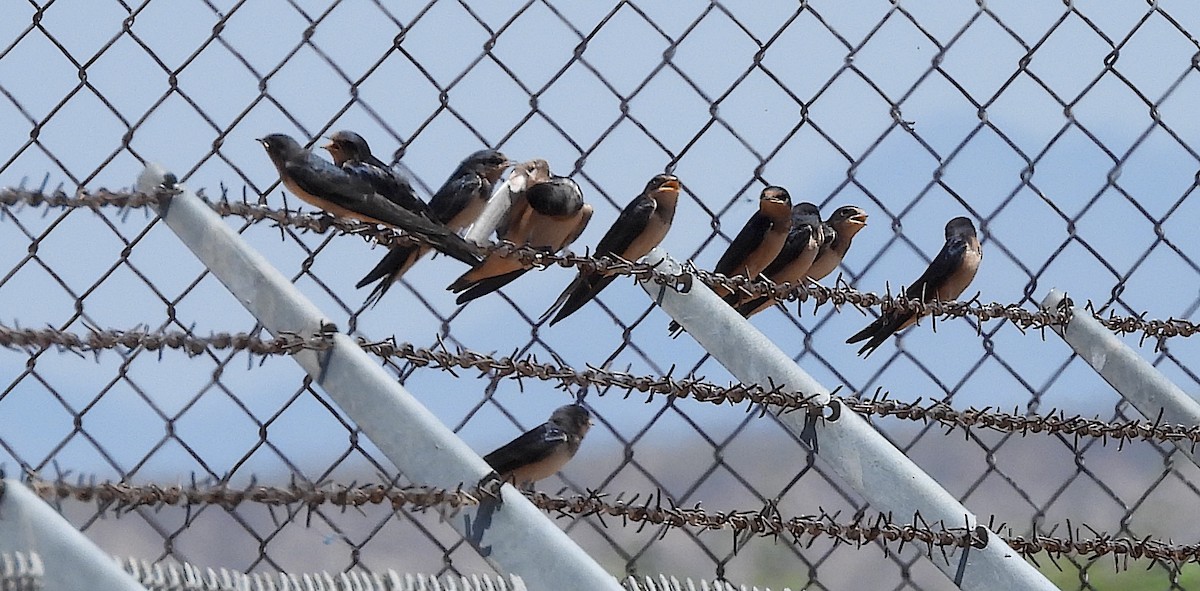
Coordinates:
(859, 218)
(671, 184)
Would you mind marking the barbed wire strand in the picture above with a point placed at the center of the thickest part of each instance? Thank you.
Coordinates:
(630, 509)
(879, 404)
(819, 295)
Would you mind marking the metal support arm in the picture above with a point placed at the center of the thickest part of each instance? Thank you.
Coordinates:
(844, 442)
(512, 534)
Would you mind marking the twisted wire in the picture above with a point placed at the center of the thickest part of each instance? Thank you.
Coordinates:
(528, 366)
(631, 510)
(819, 295)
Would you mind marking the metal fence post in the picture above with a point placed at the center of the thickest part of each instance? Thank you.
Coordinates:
(70, 559)
(511, 534)
(1146, 388)
(845, 442)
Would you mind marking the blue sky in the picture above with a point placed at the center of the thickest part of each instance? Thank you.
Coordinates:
(1078, 172)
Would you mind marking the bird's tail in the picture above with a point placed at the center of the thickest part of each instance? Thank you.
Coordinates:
(582, 290)
(393, 265)
(867, 332)
(455, 246)
(488, 285)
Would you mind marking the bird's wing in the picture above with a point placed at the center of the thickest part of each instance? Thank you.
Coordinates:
(455, 195)
(944, 265)
(732, 263)
(795, 244)
(629, 225)
(317, 177)
(532, 446)
(392, 186)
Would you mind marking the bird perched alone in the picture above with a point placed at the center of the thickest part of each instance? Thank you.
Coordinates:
(792, 263)
(555, 217)
(757, 244)
(839, 230)
(456, 204)
(641, 226)
(951, 271)
(348, 194)
(542, 450)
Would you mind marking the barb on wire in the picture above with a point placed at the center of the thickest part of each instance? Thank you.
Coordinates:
(880, 404)
(820, 295)
(630, 510)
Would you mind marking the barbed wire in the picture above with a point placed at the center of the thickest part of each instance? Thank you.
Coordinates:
(631, 509)
(819, 295)
(879, 404)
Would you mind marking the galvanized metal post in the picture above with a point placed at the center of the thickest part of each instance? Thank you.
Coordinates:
(69, 559)
(512, 534)
(1146, 388)
(844, 442)
(493, 213)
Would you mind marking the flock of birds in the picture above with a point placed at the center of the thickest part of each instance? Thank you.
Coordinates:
(782, 242)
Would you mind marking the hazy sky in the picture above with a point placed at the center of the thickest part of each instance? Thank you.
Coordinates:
(1067, 136)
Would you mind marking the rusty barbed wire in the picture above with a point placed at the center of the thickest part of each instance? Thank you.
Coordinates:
(820, 295)
(631, 509)
(879, 404)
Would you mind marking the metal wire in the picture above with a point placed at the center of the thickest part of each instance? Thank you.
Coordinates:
(880, 404)
(819, 295)
(1063, 129)
(628, 510)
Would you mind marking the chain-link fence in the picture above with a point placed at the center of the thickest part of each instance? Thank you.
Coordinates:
(1063, 131)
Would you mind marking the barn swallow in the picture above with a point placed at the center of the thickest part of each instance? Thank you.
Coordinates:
(947, 276)
(795, 258)
(456, 204)
(757, 244)
(542, 450)
(556, 216)
(523, 176)
(845, 222)
(640, 227)
(352, 152)
(348, 194)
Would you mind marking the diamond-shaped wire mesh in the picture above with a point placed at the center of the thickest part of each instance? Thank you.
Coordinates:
(1064, 131)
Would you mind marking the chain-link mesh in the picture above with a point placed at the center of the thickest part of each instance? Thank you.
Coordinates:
(1064, 131)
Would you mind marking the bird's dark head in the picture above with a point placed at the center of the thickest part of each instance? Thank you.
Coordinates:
(572, 418)
(346, 146)
(489, 163)
(960, 226)
(775, 203)
(280, 146)
(557, 197)
(663, 182)
(775, 194)
(805, 213)
(848, 219)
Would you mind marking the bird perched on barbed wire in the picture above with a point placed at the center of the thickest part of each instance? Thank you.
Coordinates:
(346, 193)
(641, 226)
(523, 176)
(951, 271)
(791, 265)
(352, 152)
(456, 204)
(555, 217)
(757, 244)
(543, 450)
(839, 231)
